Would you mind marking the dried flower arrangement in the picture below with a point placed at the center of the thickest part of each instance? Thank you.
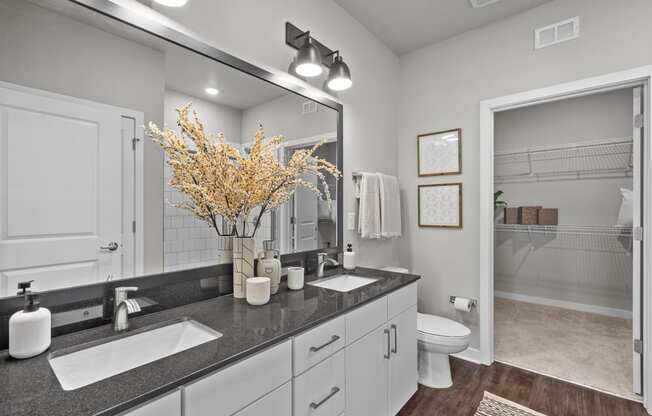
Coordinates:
(220, 182)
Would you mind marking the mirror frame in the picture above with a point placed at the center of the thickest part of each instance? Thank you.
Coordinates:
(137, 21)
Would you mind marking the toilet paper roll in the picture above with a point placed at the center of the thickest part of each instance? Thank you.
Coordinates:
(462, 304)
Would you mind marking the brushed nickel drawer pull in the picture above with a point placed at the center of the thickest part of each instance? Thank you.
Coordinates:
(386, 331)
(333, 392)
(395, 349)
(321, 347)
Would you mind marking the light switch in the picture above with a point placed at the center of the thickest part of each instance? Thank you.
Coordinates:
(350, 221)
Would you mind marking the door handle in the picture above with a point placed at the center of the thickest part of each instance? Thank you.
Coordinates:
(395, 329)
(386, 331)
(112, 246)
(333, 392)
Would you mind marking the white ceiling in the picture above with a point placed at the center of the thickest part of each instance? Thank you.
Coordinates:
(405, 26)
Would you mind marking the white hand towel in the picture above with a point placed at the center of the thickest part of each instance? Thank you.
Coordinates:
(369, 215)
(390, 206)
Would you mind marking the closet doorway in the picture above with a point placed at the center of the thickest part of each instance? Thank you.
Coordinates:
(563, 238)
(565, 276)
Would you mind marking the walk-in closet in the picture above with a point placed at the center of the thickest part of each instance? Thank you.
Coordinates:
(567, 207)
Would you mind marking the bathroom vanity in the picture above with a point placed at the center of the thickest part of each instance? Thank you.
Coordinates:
(312, 351)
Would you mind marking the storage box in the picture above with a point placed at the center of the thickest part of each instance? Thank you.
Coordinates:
(511, 215)
(528, 215)
(548, 216)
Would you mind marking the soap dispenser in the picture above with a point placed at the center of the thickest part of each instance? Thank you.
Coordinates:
(30, 328)
(349, 257)
(269, 265)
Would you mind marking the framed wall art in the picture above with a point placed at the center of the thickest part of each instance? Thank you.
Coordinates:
(440, 205)
(439, 153)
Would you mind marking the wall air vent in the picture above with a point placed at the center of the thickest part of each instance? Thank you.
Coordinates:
(557, 33)
(481, 3)
(309, 107)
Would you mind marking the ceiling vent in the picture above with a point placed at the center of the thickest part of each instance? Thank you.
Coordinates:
(309, 107)
(481, 3)
(557, 33)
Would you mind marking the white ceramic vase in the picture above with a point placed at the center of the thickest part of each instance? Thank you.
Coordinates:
(243, 264)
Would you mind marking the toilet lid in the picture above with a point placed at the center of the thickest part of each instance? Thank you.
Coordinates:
(438, 325)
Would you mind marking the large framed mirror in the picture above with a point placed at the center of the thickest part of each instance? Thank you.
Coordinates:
(84, 192)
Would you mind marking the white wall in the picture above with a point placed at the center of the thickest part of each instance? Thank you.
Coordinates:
(44, 50)
(255, 31)
(593, 270)
(441, 87)
(282, 116)
(188, 241)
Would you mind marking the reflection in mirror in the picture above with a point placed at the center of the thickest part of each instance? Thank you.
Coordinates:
(84, 190)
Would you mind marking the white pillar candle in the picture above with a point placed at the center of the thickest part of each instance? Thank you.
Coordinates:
(295, 278)
(258, 290)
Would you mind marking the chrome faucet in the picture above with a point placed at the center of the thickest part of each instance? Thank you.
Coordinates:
(322, 259)
(122, 307)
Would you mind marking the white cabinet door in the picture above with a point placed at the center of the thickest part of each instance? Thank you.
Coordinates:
(320, 391)
(403, 372)
(233, 388)
(57, 212)
(169, 405)
(276, 403)
(367, 367)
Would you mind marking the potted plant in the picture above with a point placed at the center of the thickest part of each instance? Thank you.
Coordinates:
(232, 191)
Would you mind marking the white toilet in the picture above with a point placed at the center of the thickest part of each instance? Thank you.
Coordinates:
(438, 337)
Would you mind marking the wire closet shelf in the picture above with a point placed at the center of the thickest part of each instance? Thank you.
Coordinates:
(614, 239)
(589, 159)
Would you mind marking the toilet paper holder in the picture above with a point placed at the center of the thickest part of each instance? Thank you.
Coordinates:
(472, 302)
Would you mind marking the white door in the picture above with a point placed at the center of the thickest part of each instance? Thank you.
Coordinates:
(60, 191)
(306, 210)
(637, 244)
(367, 366)
(403, 371)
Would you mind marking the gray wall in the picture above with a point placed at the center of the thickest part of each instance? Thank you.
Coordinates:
(254, 30)
(441, 87)
(47, 51)
(594, 270)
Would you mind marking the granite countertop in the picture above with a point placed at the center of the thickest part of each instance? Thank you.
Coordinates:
(29, 387)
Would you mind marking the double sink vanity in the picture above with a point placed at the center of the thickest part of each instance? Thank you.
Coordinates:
(345, 344)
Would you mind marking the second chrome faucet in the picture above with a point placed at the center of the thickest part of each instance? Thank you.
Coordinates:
(122, 307)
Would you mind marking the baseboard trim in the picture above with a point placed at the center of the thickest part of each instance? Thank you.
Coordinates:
(582, 307)
(469, 354)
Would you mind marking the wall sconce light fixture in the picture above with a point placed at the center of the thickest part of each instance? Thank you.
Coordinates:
(312, 54)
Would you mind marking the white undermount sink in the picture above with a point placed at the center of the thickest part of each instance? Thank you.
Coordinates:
(105, 359)
(343, 283)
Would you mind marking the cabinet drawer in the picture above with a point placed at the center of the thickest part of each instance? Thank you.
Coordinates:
(321, 391)
(318, 343)
(234, 387)
(365, 319)
(401, 300)
(168, 405)
(276, 403)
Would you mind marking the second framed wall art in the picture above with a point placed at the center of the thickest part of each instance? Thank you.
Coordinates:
(439, 153)
(440, 205)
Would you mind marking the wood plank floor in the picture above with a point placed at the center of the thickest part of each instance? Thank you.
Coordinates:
(543, 394)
